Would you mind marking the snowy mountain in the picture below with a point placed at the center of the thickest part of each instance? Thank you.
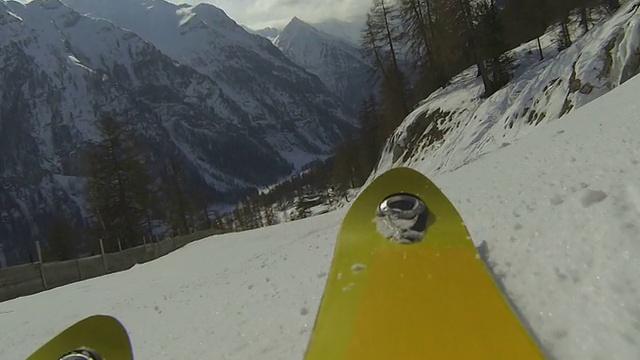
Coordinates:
(248, 68)
(228, 104)
(270, 33)
(456, 126)
(297, 115)
(349, 31)
(559, 230)
(337, 62)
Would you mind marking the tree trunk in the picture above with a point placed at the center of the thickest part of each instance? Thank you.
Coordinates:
(540, 49)
(402, 97)
(584, 19)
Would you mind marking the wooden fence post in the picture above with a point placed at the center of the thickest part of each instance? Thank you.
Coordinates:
(39, 251)
(104, 259)
(79, 270)
(119, 245)
(156, 248)
(144, 240)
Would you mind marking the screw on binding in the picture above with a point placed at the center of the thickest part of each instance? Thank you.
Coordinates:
(82, 354)
(402, 218)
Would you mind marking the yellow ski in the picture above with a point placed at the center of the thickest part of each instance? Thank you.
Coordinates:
(98, 337)
(418, 292)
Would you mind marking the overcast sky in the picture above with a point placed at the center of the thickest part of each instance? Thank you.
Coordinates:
(261, 13)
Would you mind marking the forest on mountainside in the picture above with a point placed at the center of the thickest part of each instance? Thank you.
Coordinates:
(416, 47)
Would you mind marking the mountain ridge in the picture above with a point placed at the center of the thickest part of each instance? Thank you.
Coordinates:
(61, 71)
(337, 62)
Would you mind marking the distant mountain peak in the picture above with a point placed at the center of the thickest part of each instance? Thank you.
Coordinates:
(213, 13)
(297, 29)
(336, 61)
(296, 24)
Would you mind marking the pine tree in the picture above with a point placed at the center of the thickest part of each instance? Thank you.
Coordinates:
(585, 17)
(418, 33)
(379, 44)
(270, 216)
(220, 222)
(526, 20)
(63, 239)
(179, 208)
(345, 165)
(492, 46)
(564, 33)
(119, 189)
(371, 143)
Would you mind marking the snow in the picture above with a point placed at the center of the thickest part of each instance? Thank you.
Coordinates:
(541, 92)
(555, 215)
(214, 292)
(557, 218)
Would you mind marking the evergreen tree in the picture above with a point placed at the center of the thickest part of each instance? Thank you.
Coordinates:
(379, 44)
(564, 33)
(179, 207)
(417, 17)
(522, 22)
(63, 238)
(492, 46)
(119, 189)
(270, 216)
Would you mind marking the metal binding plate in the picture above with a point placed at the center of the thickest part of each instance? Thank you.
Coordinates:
(402, 218)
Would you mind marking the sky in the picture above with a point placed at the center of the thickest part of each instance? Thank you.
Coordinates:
(258, 14)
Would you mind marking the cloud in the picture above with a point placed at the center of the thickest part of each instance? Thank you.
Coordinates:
(262, 13)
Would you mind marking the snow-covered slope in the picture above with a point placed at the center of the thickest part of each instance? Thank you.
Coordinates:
(559, 228)
(455, 125)
(338, 63)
